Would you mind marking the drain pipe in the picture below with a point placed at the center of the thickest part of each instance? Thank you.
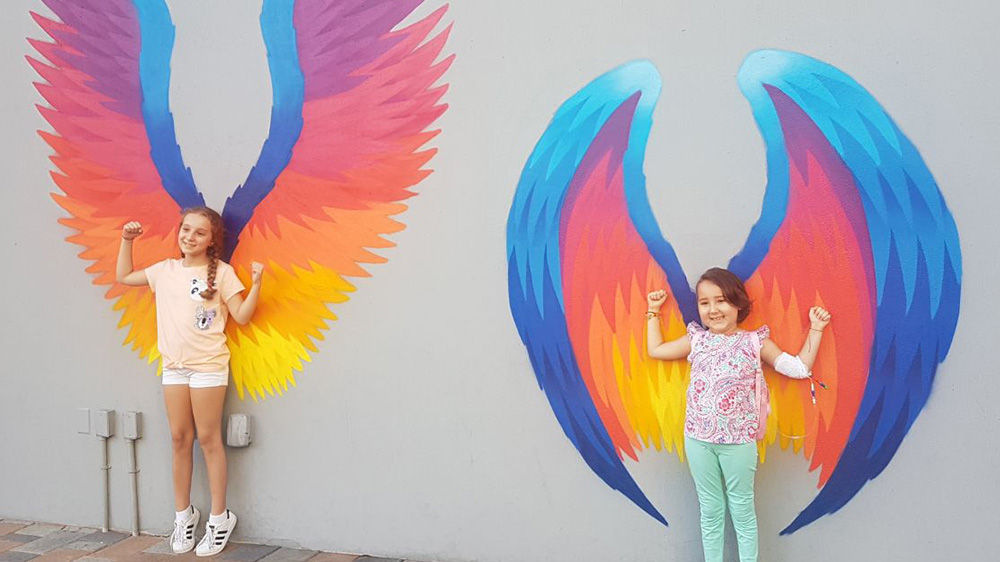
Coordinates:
(105, 429)
(131, 423)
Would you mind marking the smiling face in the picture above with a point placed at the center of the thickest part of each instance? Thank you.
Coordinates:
(195, 235)
(717, 313)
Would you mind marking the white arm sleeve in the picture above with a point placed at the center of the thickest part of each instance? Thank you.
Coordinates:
(791, 366)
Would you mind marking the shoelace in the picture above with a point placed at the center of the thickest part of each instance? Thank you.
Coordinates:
(210, 537)
(180, 533)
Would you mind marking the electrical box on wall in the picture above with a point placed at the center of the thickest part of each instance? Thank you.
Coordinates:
(238, 430)
(132, 425)
(104, 423)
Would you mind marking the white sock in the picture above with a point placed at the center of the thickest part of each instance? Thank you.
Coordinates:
(218, 519)
(182, 516)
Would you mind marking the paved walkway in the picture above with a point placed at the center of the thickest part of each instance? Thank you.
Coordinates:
(41, 542)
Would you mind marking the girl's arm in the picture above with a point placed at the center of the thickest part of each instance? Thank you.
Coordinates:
(124, 272)
(657, 348)
(819, 318)
(242, 309)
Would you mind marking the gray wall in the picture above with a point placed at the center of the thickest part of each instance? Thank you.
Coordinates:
(419, 429)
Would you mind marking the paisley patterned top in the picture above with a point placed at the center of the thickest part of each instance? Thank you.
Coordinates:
(721, 400)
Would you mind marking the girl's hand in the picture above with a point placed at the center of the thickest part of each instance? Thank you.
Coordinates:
(256, 272)
(131, 230)
(655, 300)
(819, 317)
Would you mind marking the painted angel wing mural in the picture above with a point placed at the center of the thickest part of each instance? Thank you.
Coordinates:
(851, 219)
(346, 154)
(116, 155)
(353, 100)
(573, 212)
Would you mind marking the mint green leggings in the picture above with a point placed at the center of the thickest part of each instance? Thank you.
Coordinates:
(710, 464)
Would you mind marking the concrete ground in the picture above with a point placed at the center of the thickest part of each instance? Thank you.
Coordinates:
(42, 542)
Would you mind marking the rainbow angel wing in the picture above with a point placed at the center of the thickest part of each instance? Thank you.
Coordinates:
(583, 250)
(113, 137)
(852, 220)
(353, 99)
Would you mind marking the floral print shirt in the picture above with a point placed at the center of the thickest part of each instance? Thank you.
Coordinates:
(721, 399)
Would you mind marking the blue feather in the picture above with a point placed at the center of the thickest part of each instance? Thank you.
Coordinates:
(915, 251)
(542, 326)
(534, 266)
(288, 93)
(157, 31)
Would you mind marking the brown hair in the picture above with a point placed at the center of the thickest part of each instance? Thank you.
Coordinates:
(732, 289)
(215, 247)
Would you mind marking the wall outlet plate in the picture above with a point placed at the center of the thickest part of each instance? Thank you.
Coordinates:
(82, 421)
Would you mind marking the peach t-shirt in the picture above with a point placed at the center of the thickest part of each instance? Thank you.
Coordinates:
(191, 330)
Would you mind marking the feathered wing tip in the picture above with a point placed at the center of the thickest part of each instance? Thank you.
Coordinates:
(345, 149)
(580, 262)
(852, 220)
(115, 154)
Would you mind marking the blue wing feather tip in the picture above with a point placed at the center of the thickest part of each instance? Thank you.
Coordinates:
(535, 289)
(915, 247)
(550, 353)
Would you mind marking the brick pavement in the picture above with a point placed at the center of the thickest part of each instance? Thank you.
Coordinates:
(42, 542)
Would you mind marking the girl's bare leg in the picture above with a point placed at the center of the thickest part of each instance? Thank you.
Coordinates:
(206, 405)
(178, 400)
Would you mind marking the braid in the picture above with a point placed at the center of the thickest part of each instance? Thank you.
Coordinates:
(213, 265)
(215, 248)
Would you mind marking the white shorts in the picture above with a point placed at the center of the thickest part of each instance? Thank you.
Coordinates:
(194, 379)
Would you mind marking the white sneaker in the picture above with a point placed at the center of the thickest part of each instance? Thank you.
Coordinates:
(182, 539)
(216, 536)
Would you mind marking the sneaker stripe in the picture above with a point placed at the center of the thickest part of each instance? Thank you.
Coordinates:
(217, 536)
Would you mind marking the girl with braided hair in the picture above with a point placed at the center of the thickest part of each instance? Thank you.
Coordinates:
(194, 297)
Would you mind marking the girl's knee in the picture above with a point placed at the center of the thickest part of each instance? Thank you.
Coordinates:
(714, 517)
(211, 443)
(713, 522)
(182, 439)
(743, 513)
(713, 513)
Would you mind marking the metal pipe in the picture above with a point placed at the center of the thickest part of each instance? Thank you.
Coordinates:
(106, 468)
(133, 471)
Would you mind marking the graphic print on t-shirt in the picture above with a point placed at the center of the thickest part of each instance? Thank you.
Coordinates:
(203, 318)
(197, 286)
